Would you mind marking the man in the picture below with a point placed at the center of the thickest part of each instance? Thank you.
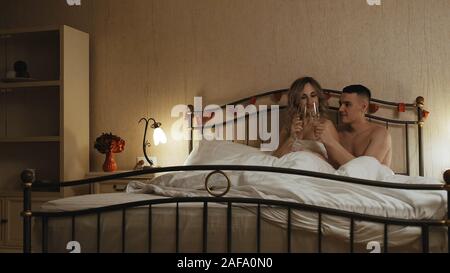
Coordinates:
(356, 135)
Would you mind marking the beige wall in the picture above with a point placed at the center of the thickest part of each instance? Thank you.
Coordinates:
(148, 55)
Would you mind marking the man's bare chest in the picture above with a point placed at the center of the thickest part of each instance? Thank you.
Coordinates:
(355, 144)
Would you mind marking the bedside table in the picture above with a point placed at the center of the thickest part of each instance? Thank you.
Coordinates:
(116, 185)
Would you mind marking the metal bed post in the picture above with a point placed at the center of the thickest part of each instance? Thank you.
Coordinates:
(447, 188)
(28, 178)
(191, 127)
(420, 122)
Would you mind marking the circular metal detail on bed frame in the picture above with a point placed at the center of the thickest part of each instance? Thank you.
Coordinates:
(209, 189)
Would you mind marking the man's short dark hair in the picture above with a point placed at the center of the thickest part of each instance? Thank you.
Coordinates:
(360, 90)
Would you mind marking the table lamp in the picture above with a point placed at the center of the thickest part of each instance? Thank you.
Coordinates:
(158, 136)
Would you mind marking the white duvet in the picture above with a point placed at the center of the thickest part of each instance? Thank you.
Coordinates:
(405, 204)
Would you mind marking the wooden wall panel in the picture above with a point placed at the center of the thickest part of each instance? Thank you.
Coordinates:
(148, 55)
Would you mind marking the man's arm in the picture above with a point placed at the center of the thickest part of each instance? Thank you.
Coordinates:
(337, 154)
(379, 145)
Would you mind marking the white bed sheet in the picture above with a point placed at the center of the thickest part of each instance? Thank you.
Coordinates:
(393, 203)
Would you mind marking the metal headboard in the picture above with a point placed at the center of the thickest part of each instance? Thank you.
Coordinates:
(417, 107)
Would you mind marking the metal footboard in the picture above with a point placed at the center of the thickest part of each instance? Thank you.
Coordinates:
(258, 204)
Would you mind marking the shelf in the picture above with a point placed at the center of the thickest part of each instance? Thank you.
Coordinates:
(36, 112)
(29, 139)
(29, 84)
(7, 32)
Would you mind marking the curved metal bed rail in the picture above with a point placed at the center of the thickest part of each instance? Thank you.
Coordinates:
(383, 102)
(331, 91)
(370, 116)
(235, 201)
(242, 200)
(28, 179)
(417, 106)
(270, 169)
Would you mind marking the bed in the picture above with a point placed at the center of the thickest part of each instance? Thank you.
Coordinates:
(232, 197)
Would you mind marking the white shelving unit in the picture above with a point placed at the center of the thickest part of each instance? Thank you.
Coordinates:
(44, 121)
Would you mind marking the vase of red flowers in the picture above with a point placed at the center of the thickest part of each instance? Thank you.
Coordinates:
(109, 144)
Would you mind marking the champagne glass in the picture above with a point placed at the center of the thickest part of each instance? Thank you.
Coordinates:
(315, 113)
(298, 116)
(301, 115)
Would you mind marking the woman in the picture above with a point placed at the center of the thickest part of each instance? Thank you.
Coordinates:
(307, 107)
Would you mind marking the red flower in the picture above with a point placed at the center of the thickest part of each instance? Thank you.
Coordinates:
(117, 145)
(109, 143)
(373, 108)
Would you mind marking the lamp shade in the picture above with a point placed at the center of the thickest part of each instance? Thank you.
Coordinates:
(159, 136)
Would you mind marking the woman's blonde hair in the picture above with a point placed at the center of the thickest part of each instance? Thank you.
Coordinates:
(294, 95)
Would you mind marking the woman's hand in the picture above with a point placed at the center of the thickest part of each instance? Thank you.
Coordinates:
(297, 128)
(325, 132)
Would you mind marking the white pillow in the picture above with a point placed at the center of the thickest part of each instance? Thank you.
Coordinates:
(365, 167)
(304, 160)
(219, 152)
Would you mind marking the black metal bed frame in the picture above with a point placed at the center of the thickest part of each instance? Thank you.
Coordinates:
(28, 178)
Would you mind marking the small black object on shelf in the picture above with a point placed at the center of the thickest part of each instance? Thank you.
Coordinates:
(21, 69)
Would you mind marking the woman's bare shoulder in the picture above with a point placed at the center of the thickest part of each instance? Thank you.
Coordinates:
(328, 122)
